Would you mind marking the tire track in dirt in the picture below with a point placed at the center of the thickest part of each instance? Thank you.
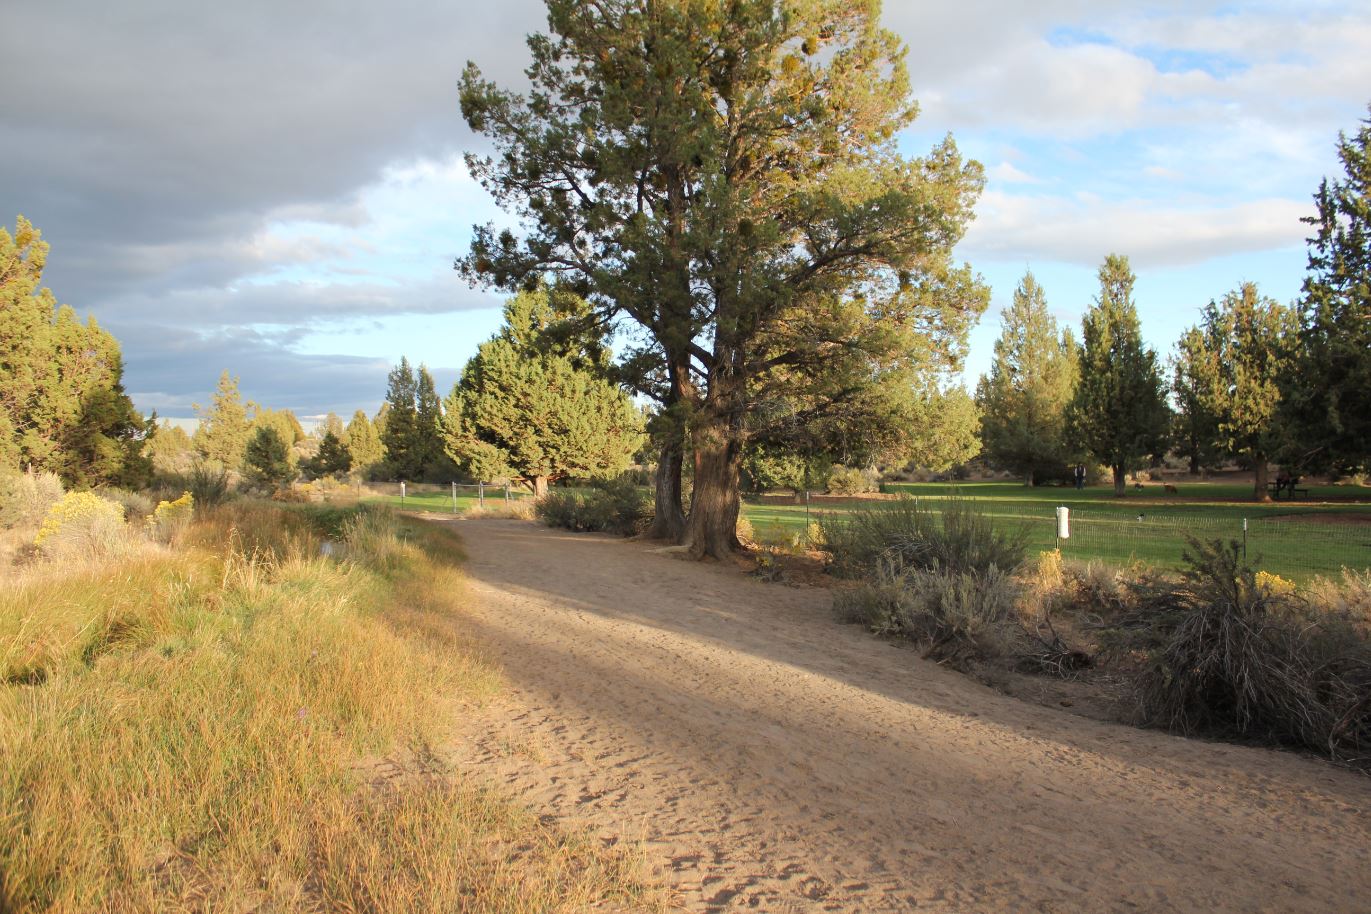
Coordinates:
(771, 759)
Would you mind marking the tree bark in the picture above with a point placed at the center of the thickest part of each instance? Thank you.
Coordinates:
(1261, 473)
(539, 486)
(712, 526)
(1120, 485)
(669, 519)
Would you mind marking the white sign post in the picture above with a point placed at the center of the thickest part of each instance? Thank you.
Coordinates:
(1063, 525)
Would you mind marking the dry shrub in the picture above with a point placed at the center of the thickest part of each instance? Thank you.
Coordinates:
(611, 507)
(851, 481)
(26, 498)
(137, 506)
(959, 615)
(171, 518)
(1227, 655)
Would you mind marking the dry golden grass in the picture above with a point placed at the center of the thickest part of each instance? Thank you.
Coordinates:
(184, 729)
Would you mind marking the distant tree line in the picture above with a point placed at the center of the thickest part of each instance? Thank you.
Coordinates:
(1254, 381)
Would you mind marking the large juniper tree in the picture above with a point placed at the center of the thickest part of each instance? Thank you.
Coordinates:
(224, 430)
(1119, 413)
(1024, 399)
(710, 171)
(1334, 394)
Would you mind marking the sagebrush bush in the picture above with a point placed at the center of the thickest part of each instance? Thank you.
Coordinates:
(25, 498)
(82, 525)
(611, 507)
(958, 615)
(851, 481)
(1226, 654)
(137, 506)
(957, 537)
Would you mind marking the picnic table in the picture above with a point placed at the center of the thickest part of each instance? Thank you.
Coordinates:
(1288, 484)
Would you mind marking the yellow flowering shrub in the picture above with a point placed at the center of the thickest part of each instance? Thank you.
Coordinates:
(82, 523)
(170, 517)
(1274, 583)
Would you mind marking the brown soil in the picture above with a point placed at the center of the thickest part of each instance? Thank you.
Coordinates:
(769, 758)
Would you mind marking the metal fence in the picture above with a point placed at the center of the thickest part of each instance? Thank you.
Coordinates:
(1296, 547)
(452, 496)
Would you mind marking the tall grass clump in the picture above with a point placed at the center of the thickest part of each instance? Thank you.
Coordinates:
(1228, 654)
(198, 728)
(957, 537)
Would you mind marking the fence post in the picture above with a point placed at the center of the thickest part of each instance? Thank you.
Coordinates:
(454, 498)
(480, 493)
(402, 491)
(506, 495)
(1244, 539)
(806, 517)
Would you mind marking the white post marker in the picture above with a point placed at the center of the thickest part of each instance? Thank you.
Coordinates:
(1063, 523)
(402, 492)
(480, 493)
(454, 498)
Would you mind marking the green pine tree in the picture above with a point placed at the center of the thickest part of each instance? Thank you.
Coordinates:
(1025, 397)
(1249, 345)
(332, 459)
(524, 409)
(364, 444)
(266, 458)
(1194, 428)
(1119, 413)
(224, 430)
(400, 433)
(1333, 398)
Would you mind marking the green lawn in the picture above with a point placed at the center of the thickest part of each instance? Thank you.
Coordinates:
(1318, 534)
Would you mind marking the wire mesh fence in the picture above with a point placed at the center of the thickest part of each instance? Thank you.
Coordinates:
(450, 496)
(1296, 547)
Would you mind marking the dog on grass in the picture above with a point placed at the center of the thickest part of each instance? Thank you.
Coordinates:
(1169, 489)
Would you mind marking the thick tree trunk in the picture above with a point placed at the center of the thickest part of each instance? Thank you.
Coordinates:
(539, 486)
(712, 526)
(669, 520)
(1261, 473)
(1120, 483)
(1194, 464)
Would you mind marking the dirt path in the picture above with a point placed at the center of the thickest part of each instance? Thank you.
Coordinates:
(774, 760)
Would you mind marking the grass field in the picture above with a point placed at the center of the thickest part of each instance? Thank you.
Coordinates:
(243, 721)
(1317, 534)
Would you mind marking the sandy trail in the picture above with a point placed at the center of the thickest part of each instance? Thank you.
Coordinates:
(774, 760)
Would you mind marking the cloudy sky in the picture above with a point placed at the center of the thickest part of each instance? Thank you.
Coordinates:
(276, 188)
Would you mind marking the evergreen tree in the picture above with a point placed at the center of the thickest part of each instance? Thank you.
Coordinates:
(524, 409)
(284, 422)
(1119, 413)
(364, 444)
(1334, 394)
(332, 458)
(266, 459)
(170, 448)
(431, 455)
(1025, 397)
(62, 402)
(400, 435)
(222, 436)
(1195, 429)
(334, 424)
(713, 172)
(1249, 350)
(949, 431)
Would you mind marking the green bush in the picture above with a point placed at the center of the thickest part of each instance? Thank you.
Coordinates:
(208, 483)
(611, 507)
(905, 534)
(1228, 655)
(851, 481)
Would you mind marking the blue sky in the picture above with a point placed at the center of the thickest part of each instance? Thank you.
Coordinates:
(279, 191)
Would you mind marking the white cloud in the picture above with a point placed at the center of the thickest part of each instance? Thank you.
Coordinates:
(1082, 231)
(1008, 173)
